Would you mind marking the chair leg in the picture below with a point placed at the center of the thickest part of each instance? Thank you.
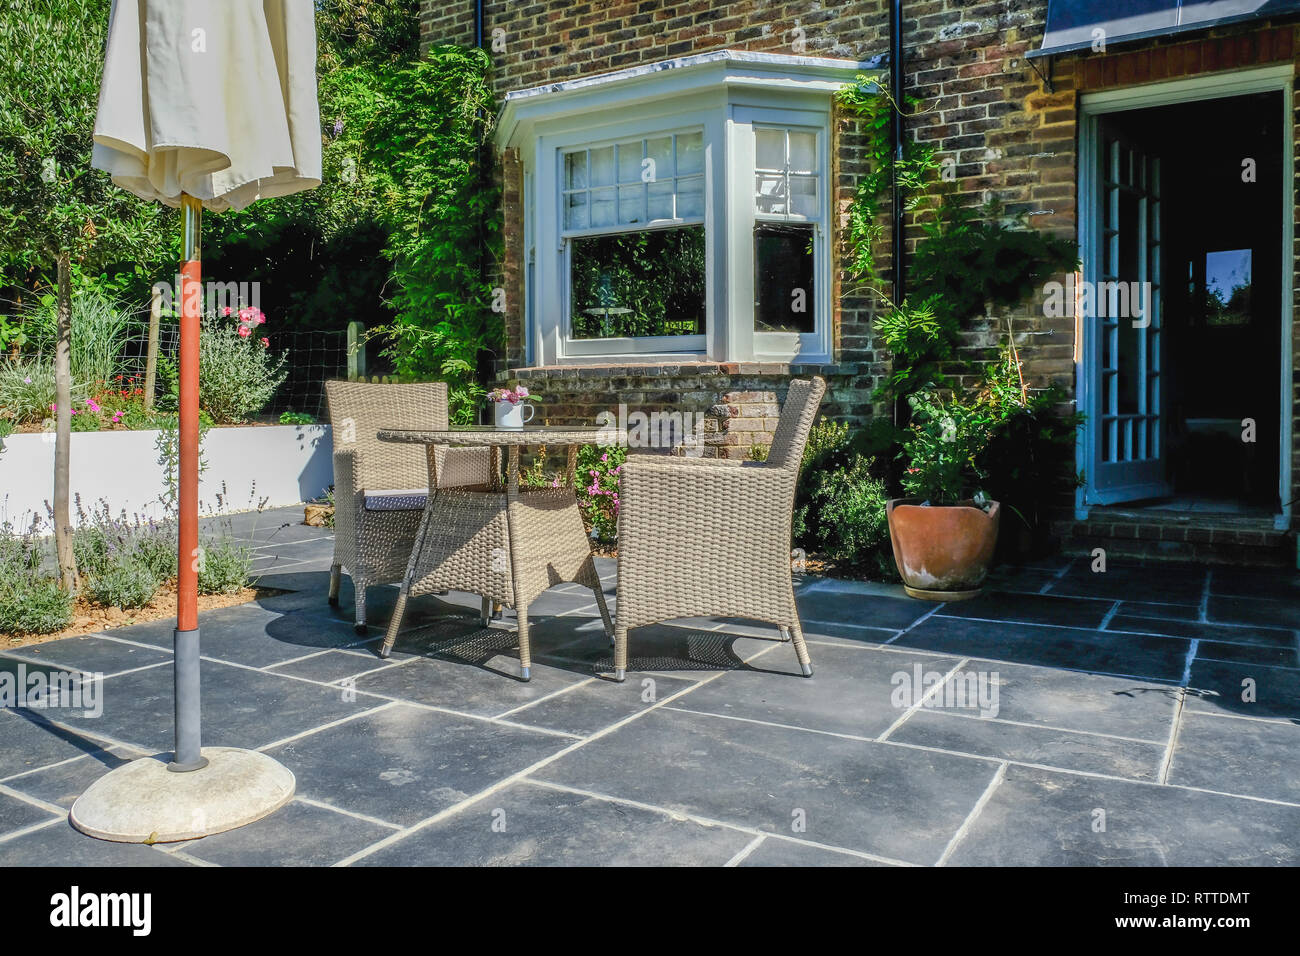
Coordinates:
(498, 611)
(801, 650)
(394, 623)
(360, 588)
(785, 634)
(620, 654)
(485, 611)
(336, 572)
(604, 611)
(525, 651)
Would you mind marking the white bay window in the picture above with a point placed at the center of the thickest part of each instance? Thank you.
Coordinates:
(679, 211)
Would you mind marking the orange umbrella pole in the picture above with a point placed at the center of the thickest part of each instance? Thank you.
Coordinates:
(188, 754)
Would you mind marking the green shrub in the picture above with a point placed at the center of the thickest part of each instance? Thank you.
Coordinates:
(26, 390)
(126, 582)
(225, 567)
(30, 602)
(100, 326)
(853, 526)
(827, 449)
(296, 418)
(238, 374)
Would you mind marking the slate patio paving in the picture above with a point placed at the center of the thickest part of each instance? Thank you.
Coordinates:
(1144, 715)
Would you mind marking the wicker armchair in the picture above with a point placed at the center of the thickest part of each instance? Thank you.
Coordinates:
(711, 536)
(380, 488)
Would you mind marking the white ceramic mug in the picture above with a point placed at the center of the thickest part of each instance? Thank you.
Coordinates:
(512, 415)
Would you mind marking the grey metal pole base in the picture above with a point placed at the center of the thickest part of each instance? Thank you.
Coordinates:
(185, 666)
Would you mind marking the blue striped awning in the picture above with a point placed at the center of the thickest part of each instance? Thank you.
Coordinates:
(1078, 24)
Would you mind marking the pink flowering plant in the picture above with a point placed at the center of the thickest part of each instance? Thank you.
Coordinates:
(599, 471)
(512, 395)
(238, 371)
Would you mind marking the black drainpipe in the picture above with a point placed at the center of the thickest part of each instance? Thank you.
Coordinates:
(896, 89)
(478, 23)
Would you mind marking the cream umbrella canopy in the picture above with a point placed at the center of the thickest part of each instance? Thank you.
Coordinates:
(204, 104)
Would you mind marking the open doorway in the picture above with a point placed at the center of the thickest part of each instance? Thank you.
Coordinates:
(1185, 384)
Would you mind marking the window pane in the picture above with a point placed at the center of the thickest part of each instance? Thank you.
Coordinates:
(690, 153)
(803, 152)
(690, 198)
(575, 170)
(638, 284)
(660, 150)
(803, 196)
(602, 166)
(602, 207)
(770, 193)
(629, 161)
(783, 278)
(661, 200)
(631, 204)
(575, 211)
(769, 148)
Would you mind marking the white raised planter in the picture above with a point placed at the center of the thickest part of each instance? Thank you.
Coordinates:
(285, 464)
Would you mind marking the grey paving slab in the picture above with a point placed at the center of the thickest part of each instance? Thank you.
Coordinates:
(1125, 582)
(1075, 648)
(1042, 818)
(331, 666)
(528, 825)
(1280, 584)
(1253, 757)
(595, 704)
(61, 845)
(62, 783)
(241, 707)
(298, 834)
(17, 814)
(667, 648)
(1096, 703)
(1089, 753)
(478, 676)
(1247, 690)
(28, 742)
(851, 607)
(1248, 654)
(1031, 609)
(91, 654)
(891, 801)
(406, 763)
(853, 691)
(1269, 612)
(1148, 609)
(789, 853)
(1223, 633)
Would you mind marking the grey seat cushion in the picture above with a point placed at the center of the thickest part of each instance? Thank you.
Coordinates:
(405, 500)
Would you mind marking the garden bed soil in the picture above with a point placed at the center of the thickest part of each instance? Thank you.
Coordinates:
(90, 618)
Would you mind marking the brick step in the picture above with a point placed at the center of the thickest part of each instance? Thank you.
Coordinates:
(1225, 539)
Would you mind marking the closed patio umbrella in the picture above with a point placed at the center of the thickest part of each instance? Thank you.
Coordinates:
(204, 104)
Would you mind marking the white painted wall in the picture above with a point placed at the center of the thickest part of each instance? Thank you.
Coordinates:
(286, 464)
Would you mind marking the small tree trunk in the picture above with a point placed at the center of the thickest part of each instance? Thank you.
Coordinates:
(151, 355)
(63, 428)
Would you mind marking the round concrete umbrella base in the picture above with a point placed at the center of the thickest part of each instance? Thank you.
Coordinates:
(144, 802)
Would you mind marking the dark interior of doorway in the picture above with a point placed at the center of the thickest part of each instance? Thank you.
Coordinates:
(1221, 275)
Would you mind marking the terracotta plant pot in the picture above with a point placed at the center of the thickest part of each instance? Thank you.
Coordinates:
(943, 552)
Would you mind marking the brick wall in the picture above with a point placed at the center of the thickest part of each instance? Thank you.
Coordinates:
(982, 104)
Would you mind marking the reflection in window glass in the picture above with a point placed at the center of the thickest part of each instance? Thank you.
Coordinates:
(638, 284)
(642, 180)
(783, 278)
(1227, 287)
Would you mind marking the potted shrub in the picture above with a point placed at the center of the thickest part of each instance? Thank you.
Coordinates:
(944, 531)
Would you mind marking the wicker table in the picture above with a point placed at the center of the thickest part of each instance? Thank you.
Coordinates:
(501, 542)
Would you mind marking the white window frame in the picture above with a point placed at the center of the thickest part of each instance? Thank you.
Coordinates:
(723, 95)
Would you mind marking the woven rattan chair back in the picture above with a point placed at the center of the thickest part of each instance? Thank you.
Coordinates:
(358, 410)
(796, 420)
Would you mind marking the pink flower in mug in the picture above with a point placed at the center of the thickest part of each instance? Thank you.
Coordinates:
(521, 392)
(244, 331)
